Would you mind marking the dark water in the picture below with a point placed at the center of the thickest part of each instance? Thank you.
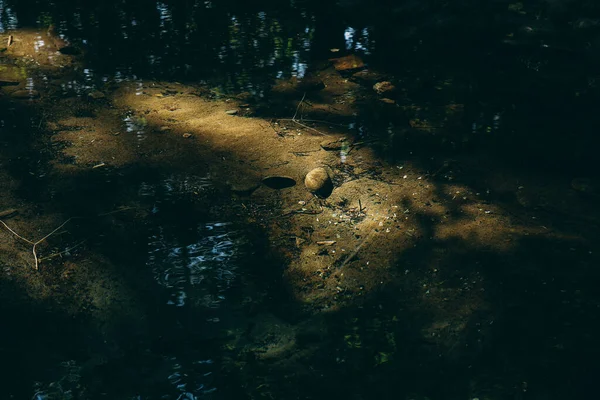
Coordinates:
(527, 76)
(528, 82)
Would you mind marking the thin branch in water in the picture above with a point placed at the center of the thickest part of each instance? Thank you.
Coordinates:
(310, 128)
(355, 252)
(15, 233)
(52, 233)
(300, 123)
(44, 238)
(62, 252)
(35, 257)
(319, 121)
(298, 107)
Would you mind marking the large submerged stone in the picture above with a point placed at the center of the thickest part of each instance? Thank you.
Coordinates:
(347, 63)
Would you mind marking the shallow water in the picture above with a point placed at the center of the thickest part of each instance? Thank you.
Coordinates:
(198, 307)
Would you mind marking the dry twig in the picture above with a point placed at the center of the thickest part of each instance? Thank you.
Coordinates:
(35, 257)
(34, 244)
(355, 252)
(300, 123)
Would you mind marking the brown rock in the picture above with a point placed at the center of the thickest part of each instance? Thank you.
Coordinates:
(384, 87)
(310, 84)
(318, 181)
(387, 101)
(366, 76)
(347, 63)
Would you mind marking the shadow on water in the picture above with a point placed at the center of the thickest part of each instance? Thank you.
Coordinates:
(204, 282)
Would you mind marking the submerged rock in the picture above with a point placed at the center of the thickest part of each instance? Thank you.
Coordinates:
(384, 87)
(367, 77)
(347, 63)
(318, 182)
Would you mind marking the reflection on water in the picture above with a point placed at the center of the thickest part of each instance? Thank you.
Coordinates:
(191, 381)
(8, 18)
(136, 126)
(196, 264)
(206, 267)
(244, 49)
